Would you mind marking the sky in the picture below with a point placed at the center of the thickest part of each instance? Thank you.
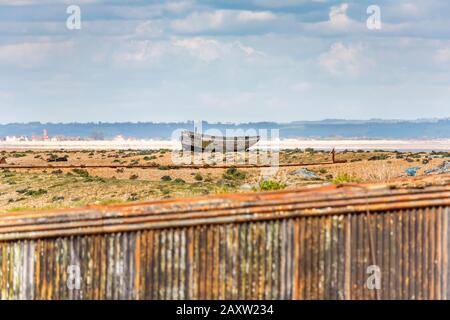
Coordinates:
(228, 61)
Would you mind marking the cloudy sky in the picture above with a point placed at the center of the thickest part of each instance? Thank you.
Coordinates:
(237, 60)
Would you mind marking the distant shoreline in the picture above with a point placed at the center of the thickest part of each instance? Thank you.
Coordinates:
(428, 129)
(322, 144)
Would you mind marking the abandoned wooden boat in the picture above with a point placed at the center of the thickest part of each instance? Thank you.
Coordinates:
(192, 141)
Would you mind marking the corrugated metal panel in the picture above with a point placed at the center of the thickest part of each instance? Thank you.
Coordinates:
(305, 244)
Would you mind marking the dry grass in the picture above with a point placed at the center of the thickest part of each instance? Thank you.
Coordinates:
(22, 189)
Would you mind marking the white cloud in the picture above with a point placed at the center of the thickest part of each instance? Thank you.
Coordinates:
(30, 54)
(210, 49)
(158, 9)
(345, 60)
(203, 49)
(338, 16)
(151, 52)
(338, 21)
(220, 19)
(141, 52)
(442, 55)
(408, 11)
(247, 16)
(200, 21)
(249, 51)
(177, 6)
(150, 29)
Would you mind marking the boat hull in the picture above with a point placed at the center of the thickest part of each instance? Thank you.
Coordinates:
(191, 141)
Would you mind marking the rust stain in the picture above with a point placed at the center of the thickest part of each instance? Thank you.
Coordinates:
(311, 243)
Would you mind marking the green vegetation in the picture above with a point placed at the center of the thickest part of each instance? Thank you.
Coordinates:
(21, 209)
(344, 178)
(234, 174)
(379, 157)
(267, 185)
(31, 192)
(58, 188)
(165, 191)
(18, 155)
(179, 181)
(81, 172)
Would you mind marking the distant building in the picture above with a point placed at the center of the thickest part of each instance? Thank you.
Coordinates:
(118, 138)
(45, 135)
(14, 138)
(2, 160)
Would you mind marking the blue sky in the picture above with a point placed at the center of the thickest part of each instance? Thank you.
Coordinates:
(238, 61)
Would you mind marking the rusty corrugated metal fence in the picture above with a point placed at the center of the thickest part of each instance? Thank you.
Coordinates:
(313, 243)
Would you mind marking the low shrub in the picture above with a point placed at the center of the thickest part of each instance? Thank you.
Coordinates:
(57, 198)
(344, 178)
(234, 174)
(198, 177)
(81, 172)
(267, 185)
(379, 157)
(35, 193)
(18, 155)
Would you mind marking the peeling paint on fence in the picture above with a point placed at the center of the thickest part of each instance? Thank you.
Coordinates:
(313, 243)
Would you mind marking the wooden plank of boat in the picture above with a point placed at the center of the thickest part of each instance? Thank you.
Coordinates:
(192, 141)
